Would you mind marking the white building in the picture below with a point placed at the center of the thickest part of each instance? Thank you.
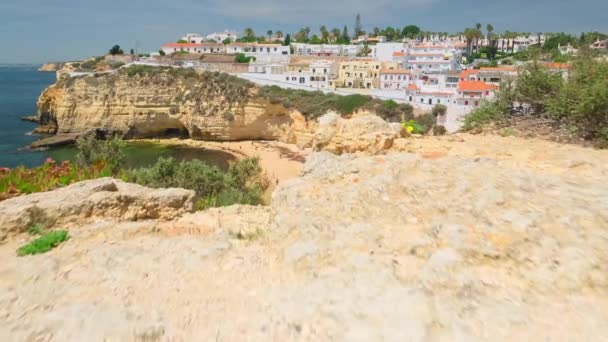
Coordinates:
(384, 52)
(203, 48)
(304, 49)
(221, 36)
(193, 38)
(316, 76)
(395, 79)
(432, 58)
(267, 53)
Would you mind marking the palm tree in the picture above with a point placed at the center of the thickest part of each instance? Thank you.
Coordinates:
(249, 32)
(335, 34)
(469, 35)
(279, 34)
(269, 33)
(478, 35)
(307, 31)
(324, 34)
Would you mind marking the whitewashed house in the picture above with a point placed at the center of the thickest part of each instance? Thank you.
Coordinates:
(304, 49)
(193, 38)
(385, 52)
(221, 36)
(202, 48)
(432, 58)
(268, 53)
(395, 79)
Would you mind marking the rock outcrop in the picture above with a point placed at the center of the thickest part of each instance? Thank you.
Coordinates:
(363, 133)
(51, 67)
(163, 102)
(469, 239)
(85, 201)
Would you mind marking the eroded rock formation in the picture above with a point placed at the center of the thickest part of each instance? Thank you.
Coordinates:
(163, 102)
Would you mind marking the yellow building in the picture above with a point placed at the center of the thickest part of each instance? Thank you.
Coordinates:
(360, 74)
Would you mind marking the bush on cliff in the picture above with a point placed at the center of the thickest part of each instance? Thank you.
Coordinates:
(242, 183)
(109, 152)
(314, 104)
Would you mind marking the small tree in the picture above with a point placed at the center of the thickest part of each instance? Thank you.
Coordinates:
(182, 41)
(287, 41)
(439, 110)
(161, 52)
(226, 41)
(116, 50)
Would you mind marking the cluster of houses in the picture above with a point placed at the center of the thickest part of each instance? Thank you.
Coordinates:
(421, 73)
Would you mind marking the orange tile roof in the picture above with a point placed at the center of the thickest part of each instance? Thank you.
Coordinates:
(398, 54)
(395, 71)
(475, 86)
(469, 72)
(412, 87)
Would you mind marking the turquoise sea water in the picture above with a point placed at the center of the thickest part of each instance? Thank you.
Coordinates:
(20, 86)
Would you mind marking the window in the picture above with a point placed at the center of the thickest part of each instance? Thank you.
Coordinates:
(287, 78)
(466, 103)
(302, 80)
(487, 93)
(275, 49)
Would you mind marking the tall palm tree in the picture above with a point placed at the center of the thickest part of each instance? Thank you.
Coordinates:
(307, 31)
(477, 35)
(489, 30)
(470, 35)
(335, 34)
(249, 32)
(269, 33)
(280, 34)
(324, 34)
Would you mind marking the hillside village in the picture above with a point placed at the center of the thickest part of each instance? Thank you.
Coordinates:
(421, 68)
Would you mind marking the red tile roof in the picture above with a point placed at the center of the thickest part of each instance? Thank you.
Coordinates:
(475, 86)
(412, 87)
(398, 54)
(467, 73)
(188, 45)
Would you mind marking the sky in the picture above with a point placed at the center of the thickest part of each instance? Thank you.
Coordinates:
(36, 31)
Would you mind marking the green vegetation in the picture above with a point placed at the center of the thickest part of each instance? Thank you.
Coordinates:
(44, 243)
(116, 50)
(242, 183)
(439, 110)
(47, 177)
(35, 229)
(241, 58)
(579, 101)
(93, 151)
(90, 65)
(315, 104)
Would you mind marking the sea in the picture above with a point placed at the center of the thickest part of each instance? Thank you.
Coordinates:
(20, 87)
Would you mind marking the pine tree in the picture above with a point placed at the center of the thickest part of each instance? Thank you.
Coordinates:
(358, 27)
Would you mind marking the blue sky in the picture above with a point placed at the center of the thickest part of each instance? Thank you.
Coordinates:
(34, 31)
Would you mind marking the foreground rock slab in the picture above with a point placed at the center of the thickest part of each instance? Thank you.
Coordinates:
(105, 197)
(397, 247)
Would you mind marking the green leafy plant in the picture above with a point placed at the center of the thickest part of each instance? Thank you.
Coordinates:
(44, 243)
(242, 183)
(109, 152)
(35, 229)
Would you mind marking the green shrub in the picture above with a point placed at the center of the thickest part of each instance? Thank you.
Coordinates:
(44, 243)
(439, 110)
(35, 229)
(93, 151)
(487, 112)
(242, 183)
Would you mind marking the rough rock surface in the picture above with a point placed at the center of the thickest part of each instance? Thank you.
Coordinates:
(51, 67)
(163, 103)
(452, 242)
(105, 197)
(364, 133)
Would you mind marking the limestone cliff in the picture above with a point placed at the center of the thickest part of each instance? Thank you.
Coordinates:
(153, 102)
(51, 67)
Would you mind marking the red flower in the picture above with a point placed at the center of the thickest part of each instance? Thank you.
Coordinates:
(4, 170)
(49, 160)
